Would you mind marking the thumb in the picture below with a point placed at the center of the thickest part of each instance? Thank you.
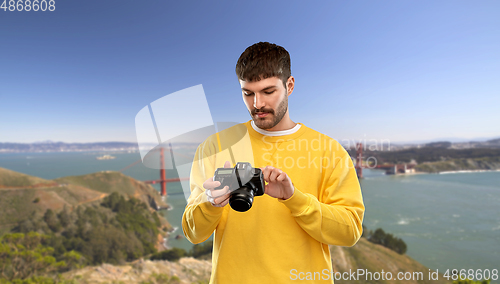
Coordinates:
(227, 164)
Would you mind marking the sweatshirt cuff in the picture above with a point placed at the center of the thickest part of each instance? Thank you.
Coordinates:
(297, 203)
(208, 208)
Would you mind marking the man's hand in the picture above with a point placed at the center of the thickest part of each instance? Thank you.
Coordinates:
(279, 183)
(217, 197)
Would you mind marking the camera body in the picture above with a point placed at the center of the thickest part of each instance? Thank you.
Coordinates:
(244, 183)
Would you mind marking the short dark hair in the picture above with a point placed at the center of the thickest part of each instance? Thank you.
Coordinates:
(264, 60)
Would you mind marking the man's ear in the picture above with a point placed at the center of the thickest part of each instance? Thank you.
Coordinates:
(290, 83)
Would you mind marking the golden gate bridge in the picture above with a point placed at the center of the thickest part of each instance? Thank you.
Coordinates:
(163, 176)
(389, 168)
(163, 180)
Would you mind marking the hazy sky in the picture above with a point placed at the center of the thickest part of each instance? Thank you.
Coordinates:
(397, 70)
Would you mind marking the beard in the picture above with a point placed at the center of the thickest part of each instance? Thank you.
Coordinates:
(273, 118)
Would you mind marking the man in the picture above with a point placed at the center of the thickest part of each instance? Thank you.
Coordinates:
(312, 195)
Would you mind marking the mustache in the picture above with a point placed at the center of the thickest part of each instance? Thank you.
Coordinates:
(264, 110)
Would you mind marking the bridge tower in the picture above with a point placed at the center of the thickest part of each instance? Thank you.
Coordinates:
(359, 159)
(163, 177)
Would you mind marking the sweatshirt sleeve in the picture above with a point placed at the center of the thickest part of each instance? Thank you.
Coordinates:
(200, 218)
(337, 217)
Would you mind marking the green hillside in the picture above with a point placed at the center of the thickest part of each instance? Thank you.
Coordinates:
(484, 163)
(376, 258)
(10, 178)
(110, 181)
(24, 195)
(106, 182)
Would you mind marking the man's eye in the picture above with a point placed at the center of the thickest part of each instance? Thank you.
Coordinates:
(270, 92)
(248, 94)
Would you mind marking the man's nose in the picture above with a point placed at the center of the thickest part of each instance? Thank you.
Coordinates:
(258, 101)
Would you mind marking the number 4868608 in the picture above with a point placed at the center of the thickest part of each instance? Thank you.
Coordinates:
(28, 5)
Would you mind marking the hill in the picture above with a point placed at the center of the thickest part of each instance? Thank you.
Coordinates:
(364, 255)
(376, 258)
(24, 195)
(186, 270)
(10, 178)
(110, 181)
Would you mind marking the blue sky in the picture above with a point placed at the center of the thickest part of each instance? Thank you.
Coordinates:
(397, 70)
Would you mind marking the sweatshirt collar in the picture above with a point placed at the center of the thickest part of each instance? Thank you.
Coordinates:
(283, 135)
(275, 133)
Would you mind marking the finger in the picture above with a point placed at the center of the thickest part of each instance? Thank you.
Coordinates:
(281, 177)
(210, 184)
(274, 174)
(267, 172)
(221, 199)
(215, 204)
(211, 193)
(227, 164)
(219, 192)
(224, 203)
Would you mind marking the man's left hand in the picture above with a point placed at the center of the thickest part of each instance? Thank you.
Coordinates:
(279, 183)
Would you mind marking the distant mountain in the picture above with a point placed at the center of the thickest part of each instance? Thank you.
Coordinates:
(23, 195)
(49, 146)
(445, 144)
(450, 139)
(439, 144)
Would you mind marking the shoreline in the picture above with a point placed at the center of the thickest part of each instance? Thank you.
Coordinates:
(454, 172)
(443, 172)
(467, 171)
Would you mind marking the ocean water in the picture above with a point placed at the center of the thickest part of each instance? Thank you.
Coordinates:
(448, 221)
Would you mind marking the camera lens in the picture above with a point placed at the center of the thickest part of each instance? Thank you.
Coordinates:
(241, 199)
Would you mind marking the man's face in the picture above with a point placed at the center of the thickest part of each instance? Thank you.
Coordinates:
(266, 101)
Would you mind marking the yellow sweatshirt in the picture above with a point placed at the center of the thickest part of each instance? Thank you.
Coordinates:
(277, 241)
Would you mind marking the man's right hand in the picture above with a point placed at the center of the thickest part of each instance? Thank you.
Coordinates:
(217, 197)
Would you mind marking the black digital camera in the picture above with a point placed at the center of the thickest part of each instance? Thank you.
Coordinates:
(244, 183)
